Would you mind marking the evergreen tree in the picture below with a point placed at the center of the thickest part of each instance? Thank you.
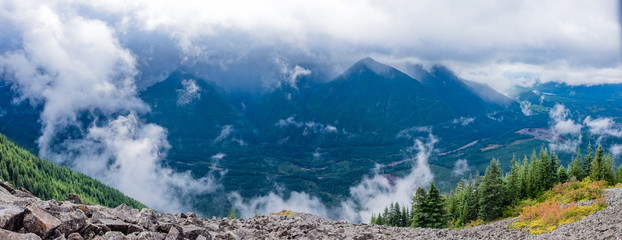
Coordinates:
(562, 176)
(435, 209)
(554, 169)
(575, 168)
(544, 173)
(596, 172)
(512, 183)
(524, 179)
(618, 178)
(232, 214)
(607, 169)
(418, 204)
(490, 198)
(534, 169)
(587, 162)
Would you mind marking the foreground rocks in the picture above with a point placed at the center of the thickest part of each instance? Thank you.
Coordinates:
(23, 216)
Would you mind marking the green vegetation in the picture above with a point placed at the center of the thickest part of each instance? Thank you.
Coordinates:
(49, 181)
(232, 214)
(539, 190)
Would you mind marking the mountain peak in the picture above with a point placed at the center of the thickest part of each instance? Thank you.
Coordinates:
(371, 64)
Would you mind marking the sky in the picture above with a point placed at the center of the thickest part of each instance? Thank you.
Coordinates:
(89, 60)
(241, 43)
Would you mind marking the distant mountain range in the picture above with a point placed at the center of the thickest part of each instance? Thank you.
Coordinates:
(322, 136)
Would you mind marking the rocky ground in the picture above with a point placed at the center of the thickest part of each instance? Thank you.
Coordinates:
(23, 216)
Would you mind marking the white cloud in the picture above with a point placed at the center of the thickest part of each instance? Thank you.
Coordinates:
(309, 127)
(75, 67)
(572, 41)
(461, 167)
(464, 121)
(225, 131)
(189, 92)
(562, 127)
(289, 74)
(525, 108)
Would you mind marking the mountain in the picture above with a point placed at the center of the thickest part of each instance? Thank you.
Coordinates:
(49, 181)
(373, 98)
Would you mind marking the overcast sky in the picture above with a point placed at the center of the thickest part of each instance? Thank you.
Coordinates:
(499, 42)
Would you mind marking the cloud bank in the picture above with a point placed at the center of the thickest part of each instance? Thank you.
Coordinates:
(78, 70)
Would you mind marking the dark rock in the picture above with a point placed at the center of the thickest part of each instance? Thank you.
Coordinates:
(40, 222)
(192, 232)
(11, 217)
(75, 236)
(7, 187)
(71, 222)
(174, 234)
(22, 192)
(91, 230)
(113, 235)
(73, 198)
(120, 226)
(8, 235)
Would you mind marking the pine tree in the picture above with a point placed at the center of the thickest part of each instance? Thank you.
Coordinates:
(534, 169)
(524, 179)
(544, 173)
(435, 209)
(562, 176)
(232, 214)
(471, 206)
(490, 198)
(618, 177)
(607, 169)
(575, 168)
(587, 162)
(554, 169)
(512, 184)
(418, 203)
(596, 172)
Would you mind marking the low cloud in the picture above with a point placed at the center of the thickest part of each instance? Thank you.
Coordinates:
(464, 121)
(461, 167)
(77, 69)
(188, 93)
(525, 108)
(604, 127)
(566, 133)
(371, 195)
(309, 127)
(225, 131)
(290, 75)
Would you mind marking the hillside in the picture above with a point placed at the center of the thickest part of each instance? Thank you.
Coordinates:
(27, 217)
(49, 181)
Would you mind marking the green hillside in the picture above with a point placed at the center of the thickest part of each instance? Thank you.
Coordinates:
(49, 181)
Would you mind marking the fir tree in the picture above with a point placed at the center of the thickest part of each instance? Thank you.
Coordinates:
(575, 168)
(562, 176)
(435, 209)
(232, 214)
(490, 198)
(618, 178)
(587, 162)
(596, 172)
(418, 204)
(512, 184)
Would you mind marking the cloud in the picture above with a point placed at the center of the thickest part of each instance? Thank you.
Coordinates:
(464, 121)
(616, 150)
(78, 70)
(189, 92)
(605, 127)
(369, 196)
(224, 133)
(525, 108)
(561, 127)
(309, 127)
(461, 167)
(574, 41)
(289, 74)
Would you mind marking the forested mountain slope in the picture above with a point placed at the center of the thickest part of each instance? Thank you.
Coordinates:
(49, 181)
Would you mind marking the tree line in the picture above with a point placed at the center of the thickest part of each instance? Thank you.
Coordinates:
(47, 181)
(493, 195)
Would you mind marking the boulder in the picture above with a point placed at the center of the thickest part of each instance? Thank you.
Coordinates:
(174, 234)
(8, 235)
(192, 232)
(40, 222)
(75, 236)
(73, 198)
(11, 217)
(120, 226)
(71, 222)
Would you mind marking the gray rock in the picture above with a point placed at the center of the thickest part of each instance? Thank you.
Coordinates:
(73, 198)
(11, 217)
(192, 232)
(75, 236)
(174, 234)
(40, 222)
(71, 222)
(8, 235)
